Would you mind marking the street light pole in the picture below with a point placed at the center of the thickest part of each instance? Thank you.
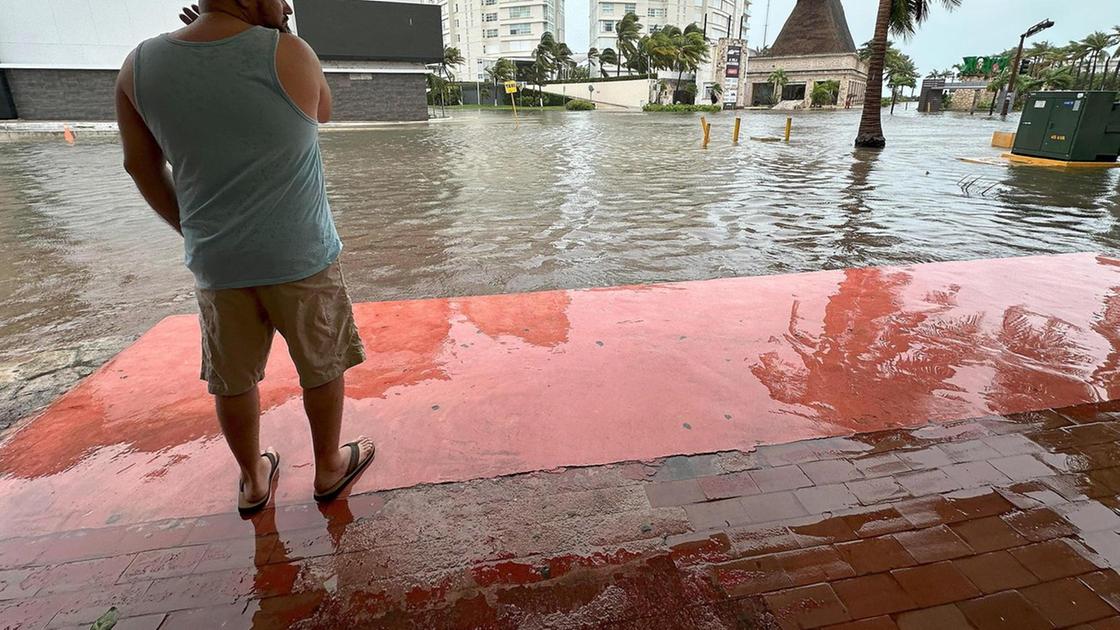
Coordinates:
(1037, 28)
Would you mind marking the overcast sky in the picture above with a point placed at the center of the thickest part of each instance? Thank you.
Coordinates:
(978, 27)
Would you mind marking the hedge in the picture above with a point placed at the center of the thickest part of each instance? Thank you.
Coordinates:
(577, 105)
(680, 107)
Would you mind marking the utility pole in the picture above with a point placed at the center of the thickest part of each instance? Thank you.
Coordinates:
(766, 25)
(1037, 28)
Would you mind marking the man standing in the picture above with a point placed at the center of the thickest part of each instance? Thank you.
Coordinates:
(232, 103)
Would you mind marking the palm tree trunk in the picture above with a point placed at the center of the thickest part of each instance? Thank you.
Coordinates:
(1093, 71)
(1116, 72)
(870, 123)
(894, 97)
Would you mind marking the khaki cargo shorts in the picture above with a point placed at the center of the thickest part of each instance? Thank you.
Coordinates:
(314, 315)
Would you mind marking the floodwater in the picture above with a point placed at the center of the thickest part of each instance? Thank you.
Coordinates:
(480, 205)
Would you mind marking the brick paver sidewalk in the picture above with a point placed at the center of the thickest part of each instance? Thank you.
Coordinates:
(989, 523)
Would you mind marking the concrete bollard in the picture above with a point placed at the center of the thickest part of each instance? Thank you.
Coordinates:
(735, 133)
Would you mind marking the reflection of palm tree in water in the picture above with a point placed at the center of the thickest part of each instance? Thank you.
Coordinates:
(858, 234)
(1107, 325)
(877, 354)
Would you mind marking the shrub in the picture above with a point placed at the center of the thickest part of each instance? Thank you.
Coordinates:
(681, 107)
(578, 105)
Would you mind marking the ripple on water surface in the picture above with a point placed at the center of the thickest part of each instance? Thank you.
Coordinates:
(562, 200)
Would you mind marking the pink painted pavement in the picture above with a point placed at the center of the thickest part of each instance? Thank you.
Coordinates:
(465, 388)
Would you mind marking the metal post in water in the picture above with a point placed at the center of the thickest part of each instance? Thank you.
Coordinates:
(735, 133)
(789, 126)
(706, 128)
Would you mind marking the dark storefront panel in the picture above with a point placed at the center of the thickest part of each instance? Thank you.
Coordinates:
(7, 105)
(358, 30)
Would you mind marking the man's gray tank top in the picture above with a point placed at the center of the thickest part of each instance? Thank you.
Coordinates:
(245, 159)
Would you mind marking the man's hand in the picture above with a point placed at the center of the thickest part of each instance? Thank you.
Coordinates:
(189, 14)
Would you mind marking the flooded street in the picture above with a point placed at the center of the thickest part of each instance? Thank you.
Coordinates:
(479, 205)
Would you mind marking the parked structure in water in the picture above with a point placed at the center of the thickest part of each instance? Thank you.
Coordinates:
(1070, 126)
(62, 64)
(814, 46)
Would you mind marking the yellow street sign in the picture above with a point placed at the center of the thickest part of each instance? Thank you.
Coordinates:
(511, 87)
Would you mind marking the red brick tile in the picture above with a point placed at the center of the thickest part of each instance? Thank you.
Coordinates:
(29, 613)
(1090, 516)
(237, 554)
(927, 482)
(971, 504)
(766, 508)
(947, 617)
(218, 527)
(1046, 419)
(779, 479)
(14, 584)
(162, 563)
(825, 532)
(969, 451)
(78, 575)
(1021, 467)
(1106, 584)
(995, 572)
(85, 607)
(988, 534)
(232, 616)
(875, 555)
(874, 623)
(932, 457)
(831, 471)
(826, 499)
(817, 564)
(736, 484)
(146, 622)
(1054, 559)
(1004, 611)
(716, 514)
(1040, 524)
(1089, 434)
(875, 491)
(777, 455)
(674, 493)
(1105, 544)
(1078, 486)
(760, 540)
(1112, 623)
(935, 584)
(872, 523)
(873, 595)
(807, 607)
(933, 544)
(691, 549)
(1067, 602)
(1028, 495)
(752, 576)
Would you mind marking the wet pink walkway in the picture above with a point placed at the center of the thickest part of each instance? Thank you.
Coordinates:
(479, 387)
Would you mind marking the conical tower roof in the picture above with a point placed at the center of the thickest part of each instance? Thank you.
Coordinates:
(816, 27)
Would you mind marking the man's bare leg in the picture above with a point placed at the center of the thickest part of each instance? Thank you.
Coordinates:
(240, 418)
(323, 405)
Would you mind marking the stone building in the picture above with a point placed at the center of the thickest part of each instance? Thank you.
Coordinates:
(815, 45)
(59, 59)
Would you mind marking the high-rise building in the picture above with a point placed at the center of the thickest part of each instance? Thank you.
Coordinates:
(486, 30)
(719, 18)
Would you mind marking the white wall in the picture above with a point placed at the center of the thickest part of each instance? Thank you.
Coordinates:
(80, 33)
(630, 94)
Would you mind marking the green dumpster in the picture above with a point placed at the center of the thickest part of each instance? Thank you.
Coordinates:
(1070, 126)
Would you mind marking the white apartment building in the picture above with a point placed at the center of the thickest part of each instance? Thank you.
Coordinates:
(724, 17)
(486, 30)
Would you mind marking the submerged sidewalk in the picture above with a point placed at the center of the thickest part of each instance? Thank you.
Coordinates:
(644, 405)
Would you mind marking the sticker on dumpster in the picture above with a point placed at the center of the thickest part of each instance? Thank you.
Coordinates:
(1077, 106)
(1039, 104)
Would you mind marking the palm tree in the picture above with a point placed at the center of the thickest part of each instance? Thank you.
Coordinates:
(689, 50)
(778, 78)
(592, 58)
(451, 57)
(544, 52)
(562, 59)
(901, 17)
(900, 72)
(607, 58)
(502, 71)
(538, 73)
(1095, 45)
(1116, 54)
(627, 31)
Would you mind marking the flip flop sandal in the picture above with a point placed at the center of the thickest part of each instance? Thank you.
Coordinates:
(352, 471)
(248, 510)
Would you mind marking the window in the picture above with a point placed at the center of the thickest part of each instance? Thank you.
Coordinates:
(521, 29)
(519, 12)
(630, 8)
(489, 2)
(606, 26)
(657, 13)
(490, 32)
(606, 8)
(489, 17)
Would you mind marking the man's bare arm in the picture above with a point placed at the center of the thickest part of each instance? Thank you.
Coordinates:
(301, 76)
(143, 158)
